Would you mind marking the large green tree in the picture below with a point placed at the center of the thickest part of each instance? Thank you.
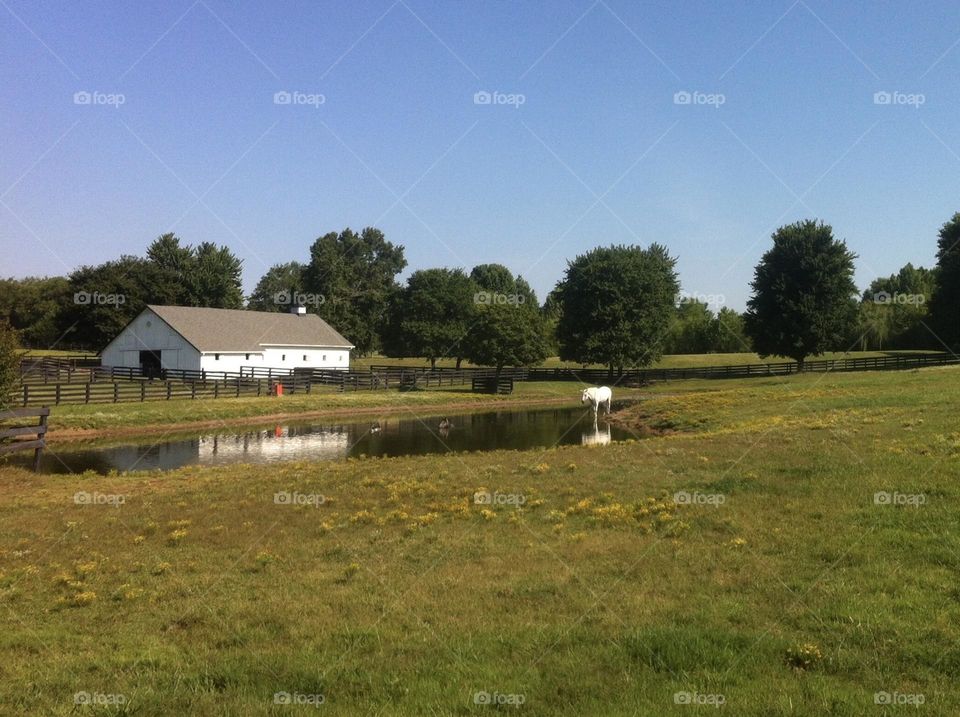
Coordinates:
(507, 335)
(281, 283)
(617, 305)
(945, 303)
(804, 297)
(431, 316)
(32, 307)
(104, 298)
(355, 275)
(205, 275)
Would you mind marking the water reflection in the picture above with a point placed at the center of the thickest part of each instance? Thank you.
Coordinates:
(395, 436)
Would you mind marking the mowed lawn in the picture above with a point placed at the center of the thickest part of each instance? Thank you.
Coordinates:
(810, 568)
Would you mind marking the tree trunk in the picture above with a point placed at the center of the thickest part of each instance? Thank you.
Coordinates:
(459, 359)
(433, 363)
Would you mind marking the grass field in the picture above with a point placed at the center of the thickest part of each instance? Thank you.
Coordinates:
(129, 416)
(669, 361)
(791, 547)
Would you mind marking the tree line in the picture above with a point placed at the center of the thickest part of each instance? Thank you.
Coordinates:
(617, 306)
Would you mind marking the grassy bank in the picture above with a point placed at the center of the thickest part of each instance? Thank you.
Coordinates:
(784, 586)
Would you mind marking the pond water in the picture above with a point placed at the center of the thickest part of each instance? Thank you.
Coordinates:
(393, 436)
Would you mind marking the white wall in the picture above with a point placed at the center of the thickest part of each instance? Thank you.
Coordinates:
(279, 357)
(148, 332)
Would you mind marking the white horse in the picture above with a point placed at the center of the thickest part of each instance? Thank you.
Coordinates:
(597, 396)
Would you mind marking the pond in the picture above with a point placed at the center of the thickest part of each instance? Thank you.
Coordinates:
(292, 441)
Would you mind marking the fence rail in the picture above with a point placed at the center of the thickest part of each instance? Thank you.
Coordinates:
(36, 432)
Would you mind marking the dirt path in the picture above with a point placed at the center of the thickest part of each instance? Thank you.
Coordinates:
(84, 434)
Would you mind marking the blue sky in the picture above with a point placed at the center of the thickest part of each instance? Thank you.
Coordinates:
(593, 148)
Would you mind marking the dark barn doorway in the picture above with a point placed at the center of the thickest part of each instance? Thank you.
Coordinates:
(150, 364)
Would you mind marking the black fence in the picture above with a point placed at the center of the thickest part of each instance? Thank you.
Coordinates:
(71, 380)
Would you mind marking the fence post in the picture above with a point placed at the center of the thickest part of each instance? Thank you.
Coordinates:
(169, 386)
(26, 395)
(216, 390)
(86, 394)
(143, 391)
(238, 387)
(58, 395)
(116, 392)
(193, 390)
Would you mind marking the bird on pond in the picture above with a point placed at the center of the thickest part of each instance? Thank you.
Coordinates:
(375, 428)
(446, 424)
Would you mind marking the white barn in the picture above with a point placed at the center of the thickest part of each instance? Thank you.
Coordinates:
(200, 339)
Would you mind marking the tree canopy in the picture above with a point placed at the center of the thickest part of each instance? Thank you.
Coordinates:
(355, 275)
(617, 305)
(803, 301)
(945, 302)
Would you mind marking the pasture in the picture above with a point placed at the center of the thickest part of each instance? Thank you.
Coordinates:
(789, 546)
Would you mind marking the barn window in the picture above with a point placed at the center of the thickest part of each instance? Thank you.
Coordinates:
(324, 357)
(246, 356)
(216, 357)
(283, 358)
(304, 357)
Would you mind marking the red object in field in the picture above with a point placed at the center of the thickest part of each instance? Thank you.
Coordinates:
(278, 389)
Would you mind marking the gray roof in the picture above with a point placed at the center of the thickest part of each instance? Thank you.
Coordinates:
(245, 331)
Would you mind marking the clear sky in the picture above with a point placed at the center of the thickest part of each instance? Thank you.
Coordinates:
(587, 142)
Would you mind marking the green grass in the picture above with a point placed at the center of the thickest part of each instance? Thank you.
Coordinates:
(799, 595)
(668, 361)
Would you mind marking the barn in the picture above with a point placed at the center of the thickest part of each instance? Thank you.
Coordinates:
(201, 339)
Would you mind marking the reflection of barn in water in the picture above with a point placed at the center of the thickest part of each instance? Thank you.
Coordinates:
(282, 443)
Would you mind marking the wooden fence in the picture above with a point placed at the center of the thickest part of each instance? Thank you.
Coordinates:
(116, 385)
(37, 431)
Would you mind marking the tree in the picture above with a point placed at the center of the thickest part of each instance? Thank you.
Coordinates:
(730, 335)
(617, 304)
(105, 298)
(893, 311)
(493, 277)
(32, 307)
(507, 335)
(215, 278)
(695, 330)
(431, 316)
(281, 281)
(945, 303)
(355, 275)
(206, 275)
(9, 362)
(803, 293)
